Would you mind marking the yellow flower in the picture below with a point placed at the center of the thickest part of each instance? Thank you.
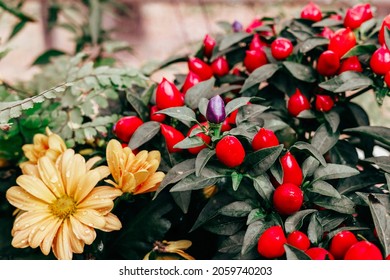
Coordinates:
(170, 250)
(61, 206)
(50, 145)
(133, 174)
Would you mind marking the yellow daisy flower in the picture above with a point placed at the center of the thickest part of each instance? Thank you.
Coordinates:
(135, 174)
(50, 145)
(61, 206)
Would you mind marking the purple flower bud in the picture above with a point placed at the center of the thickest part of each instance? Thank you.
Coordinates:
(215, 112)
(237, 26)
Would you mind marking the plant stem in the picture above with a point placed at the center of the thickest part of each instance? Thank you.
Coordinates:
(356, 94)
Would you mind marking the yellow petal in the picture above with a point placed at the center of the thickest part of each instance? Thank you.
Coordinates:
(29, 169)
(154, 155)
(173, 246)
(36, 187)
(113, 155)
(85, 185)
(51, 233)
(51, 176)
(100, 199)
(140, 176)
(112, 223)
(21, 199)
(30, 219)
(74, 172)
(128, 183)
(185, 255)
(20, 238)
(151, 184)
(82, 232)
(91, 218)
(62, 248)
(138, 161)
(76, 244)
(92, 161)
(40, 230)
(56, 143)
(103, 171)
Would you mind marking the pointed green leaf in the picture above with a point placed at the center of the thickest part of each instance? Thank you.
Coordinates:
(252, 235)
(143, 134)
(263, 186)
(324, 188)
(235, 104)
(334, 171)
(261, 160)
(381, 218)
(342, 205)
(360, 50)
(183, 114)
(312, 43)
(301, 72)
(232, 39)
(379, 133)
(202, 158)
(293, 253)
(260, 75)
(315, 230)
(182, 199)
(295, 221)
(310, 149)
(201, 90)
(236, 180)
(236, 209)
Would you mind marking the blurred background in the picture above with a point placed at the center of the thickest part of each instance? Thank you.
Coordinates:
(140, 32)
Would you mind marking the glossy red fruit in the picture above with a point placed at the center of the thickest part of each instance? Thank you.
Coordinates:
(327, 33)
(363, 250)
(385, 23)
(324, 103)
(341, 242)
(311, 12)
(156, 117)
(271, 241)
(388, 258)
(350, 64)
(172, 137)
(199, 67)
(253, 24)
(191, 80)
(126, 126)
(264, 138)
(287, 199)
(328, 63)
(231, 119)
(256, 43)
(230, 151)
(206, 139)
(208, 45)
(297, 103)
(387, 79)
(281, 48)
(167, 95)
(380, 61)
(292, 172)
(317, 253)
(356, 15)
(299, 240)
(220, 66)
(342, 41)
(225, 125)
(254, 59)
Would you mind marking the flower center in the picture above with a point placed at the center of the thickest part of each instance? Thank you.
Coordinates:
(63, 207)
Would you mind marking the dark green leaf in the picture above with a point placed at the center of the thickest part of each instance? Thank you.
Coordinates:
(223, 225)
(310, 149)
(336, 231)
(232, 39)
(176, 173)
(95, 18)
(301, 72)
(252, 235)
(236, 180)
(17, 28)
(183, 114)
(224, 89)
(381, 218)
(182, 200)
(383, 162)
(202, 158)
(201, 90)
(261, 160)
(379, 133)
(360, 50)
(324, 188)
(295, 221)
(333, 119)
(235, 104)
(138, 105)
(263, 186)
(334, 171)
(193, 182)
(315, 230)
(312, 43)
(189, 142)
(16, 12)
(255, 215)
(144, 133)
(260, 75)
(250, 113)
(47, 56)
(331, 220)
(236, 209)
(232, 244)
(327, 22)
(358, 182)
(344, 153)
(387, 37)
(293, 253)
(347, 81)
(384, 199)
(342, 205)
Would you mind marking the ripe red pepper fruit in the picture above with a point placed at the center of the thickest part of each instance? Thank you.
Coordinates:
(199, 67)
(156, 117)
(380, 61)
(311, 12)
(387, 79)
(126, 126)
(191, 80)
(281, 48)
(299, 240)
(225, 125)
(350, 64)
(342, 41)
(324, 103)
(287, 199)
(264, 138)
(341, 242)
(385, 23)
(317, 253)
(167, 95)
(254, 59)
(271, 241)
(297, 103)
(231, 119)
(208, 45)
(206, 139)
(292, 172)
(363, 250)
(327, 33)
(253, 24)
(220, 66)
(356, 15)
(328, 63)
(172, 137)
(230, 151)
(256, 43)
